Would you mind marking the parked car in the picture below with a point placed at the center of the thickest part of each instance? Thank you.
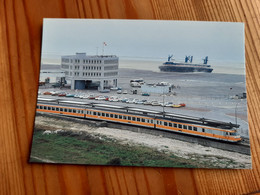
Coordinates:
(62, 94)
(155, 103)
(100, 98)
(91, 97)
(125, 92)
(47, 93)
(148, 103)
(124, 100)
(70, 95)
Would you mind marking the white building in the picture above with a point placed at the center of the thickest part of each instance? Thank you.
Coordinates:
(87, 71)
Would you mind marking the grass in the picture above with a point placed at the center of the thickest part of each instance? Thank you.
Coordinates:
(85, 149)
(82, 148)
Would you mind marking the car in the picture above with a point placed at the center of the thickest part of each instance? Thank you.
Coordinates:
(77, 95)
(85, 96)
(91, 97)
(100, 98)
(176, 106)
(169, 104)
(62, 94)
(148, 103)
(47, 93)
(124, 100)
(125, 92)
(81, 96)
(130, 100)
(182, 104)
(155, 103)
(70, 95)
(119, 91)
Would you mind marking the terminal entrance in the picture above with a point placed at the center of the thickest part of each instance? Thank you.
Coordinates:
(86, 84)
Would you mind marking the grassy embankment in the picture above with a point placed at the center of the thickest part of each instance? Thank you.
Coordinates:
(85, 149)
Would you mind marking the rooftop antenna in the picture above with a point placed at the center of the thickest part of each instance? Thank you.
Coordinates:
(97, 50)
(104, 44)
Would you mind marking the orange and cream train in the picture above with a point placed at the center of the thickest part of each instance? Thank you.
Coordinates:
(202, 127)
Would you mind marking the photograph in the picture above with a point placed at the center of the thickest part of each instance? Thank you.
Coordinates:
(147, 93)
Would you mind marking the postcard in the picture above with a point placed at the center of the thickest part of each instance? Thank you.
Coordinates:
(142, 93)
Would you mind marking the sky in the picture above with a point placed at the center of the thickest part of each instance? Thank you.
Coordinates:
(145, 39)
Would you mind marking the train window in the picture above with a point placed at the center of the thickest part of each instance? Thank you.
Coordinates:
(138, 119)
(103, 114)
(184, 126)
(49, 108)
(107, 115)
(165, 124)
(174, 124)
(203, 130)
(148, 120)
(180, 126)
(70, 110)
(120, 116)
(52, 108)
(65, 109)
(116, 116)
(124, 117)
(226, 133)
(111, 115)
(151, 121)
(61, 109)
(195, 128)
(57, 109)
(94, 113)
(143, 120)
(170, 124)
(44, 107)
(133, 118)
(190, 127)
(87, 112)
(40, 107)
(74, 111)
(157, 122)
(160, 122)
(99, 114)
(37, 106)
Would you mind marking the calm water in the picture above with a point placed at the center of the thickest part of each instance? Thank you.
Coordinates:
(153, 64)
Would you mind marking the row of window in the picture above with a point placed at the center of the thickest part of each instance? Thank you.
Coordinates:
(66, 60)
(92, 61)
(60, 109)
(110, 74)
(131, 118)
(115, 61)
(95, 74)
(111, 68)
(83, 67)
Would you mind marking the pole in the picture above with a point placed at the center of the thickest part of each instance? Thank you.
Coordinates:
(236, 112)
(163, 103)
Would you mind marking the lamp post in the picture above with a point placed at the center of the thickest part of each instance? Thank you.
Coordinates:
(236, 113)
(163, 103)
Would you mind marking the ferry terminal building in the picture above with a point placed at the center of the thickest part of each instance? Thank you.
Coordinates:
(90, 71)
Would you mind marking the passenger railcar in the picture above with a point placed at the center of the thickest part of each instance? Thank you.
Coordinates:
(141, 117)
